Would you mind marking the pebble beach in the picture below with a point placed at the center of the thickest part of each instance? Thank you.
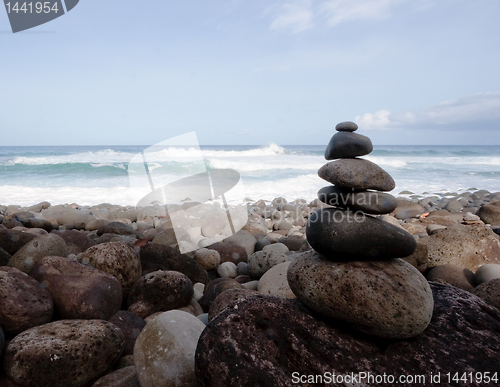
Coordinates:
(354, 280)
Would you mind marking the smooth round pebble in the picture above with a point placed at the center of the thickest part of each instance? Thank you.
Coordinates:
(164, 351)
(227, 270)
(274, 282)
(486, 273)
(207, 258)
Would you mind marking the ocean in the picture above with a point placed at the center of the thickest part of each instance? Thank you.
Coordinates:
(89, 175)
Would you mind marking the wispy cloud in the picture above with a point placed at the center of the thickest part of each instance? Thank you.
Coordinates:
(298, 15)
(466, 112)
(340, 11)
(295, 17)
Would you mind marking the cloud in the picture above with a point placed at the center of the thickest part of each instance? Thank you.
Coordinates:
(467, 112)
(296, 17)
(339, 11)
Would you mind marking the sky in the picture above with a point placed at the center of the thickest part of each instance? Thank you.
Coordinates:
(122, 72)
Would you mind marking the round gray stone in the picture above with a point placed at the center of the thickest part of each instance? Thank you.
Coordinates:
(357, 174)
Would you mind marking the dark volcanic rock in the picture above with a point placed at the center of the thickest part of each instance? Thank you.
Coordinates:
(24, 303)
(348, 145)
(79, 291)
(4, 257)
(155, 256)
(159, 291)
(131, 325)
(343, 235)
(346, 126)
(12, 240)
(266, 339)
(76, 241)
(366, 201)
(214, 288)
(65, 353)
(357, 174)
(226, 298)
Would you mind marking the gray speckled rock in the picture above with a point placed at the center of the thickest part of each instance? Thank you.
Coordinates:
(164, 351)
(348, 145)
(269, 256)
(346, 126)
(358, 174)
(367, 201)
(339, 234)
(389, 299)
(36, 249)
(65, 353)
(24, 302)
(266, 339)
(117, 259)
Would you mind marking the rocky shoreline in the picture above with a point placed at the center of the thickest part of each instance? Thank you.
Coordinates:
(95, 295)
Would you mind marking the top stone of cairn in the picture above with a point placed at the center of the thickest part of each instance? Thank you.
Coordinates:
(346, 126)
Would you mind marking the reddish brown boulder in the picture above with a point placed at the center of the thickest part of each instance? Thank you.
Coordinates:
(12, 240)
(79, 291)
(24, 302)
(230, 252)
(469, 246)
(159, 291)
(77, 241)
(64, 353)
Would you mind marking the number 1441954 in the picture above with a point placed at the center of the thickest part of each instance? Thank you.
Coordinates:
(38, 7)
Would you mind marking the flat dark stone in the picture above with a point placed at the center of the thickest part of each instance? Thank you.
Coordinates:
(346, 126)
(265, 340)
(367, 201)
(348, 145)
(357, 174)
(344, 235)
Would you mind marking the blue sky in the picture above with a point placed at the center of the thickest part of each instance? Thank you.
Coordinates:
(120, 72)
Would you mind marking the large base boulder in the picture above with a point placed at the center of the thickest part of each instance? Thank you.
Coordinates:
(266, 341)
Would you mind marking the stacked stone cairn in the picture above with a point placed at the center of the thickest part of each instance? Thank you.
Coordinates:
(355, 273)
